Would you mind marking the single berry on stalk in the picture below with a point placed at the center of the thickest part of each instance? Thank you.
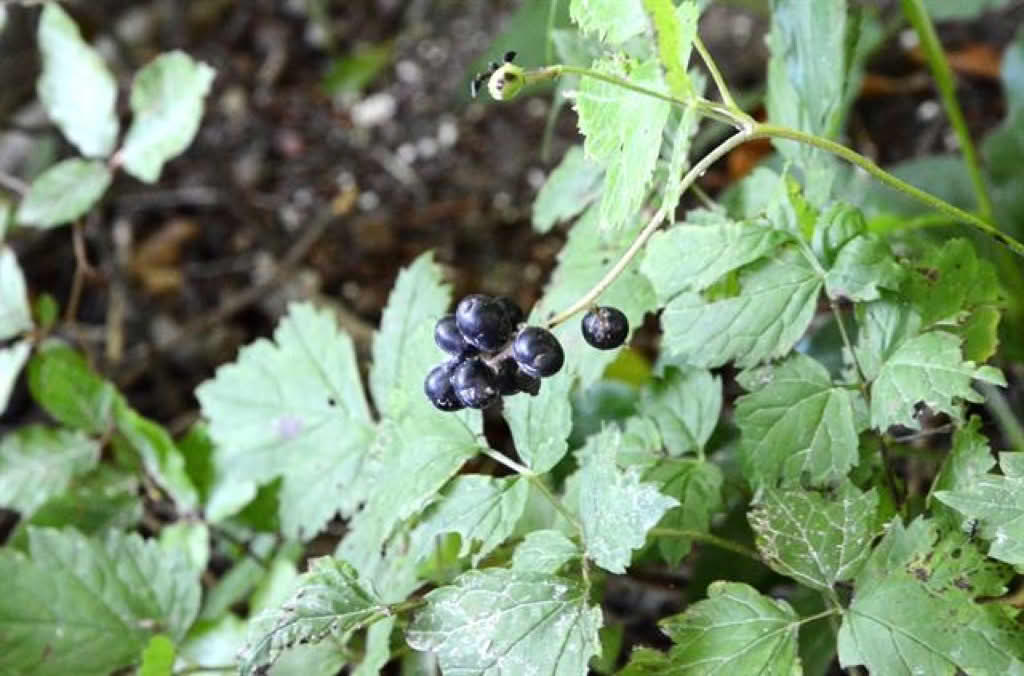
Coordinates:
(483, 322)
(605, 327)
(475, 384)
(538, 352)
(450, 339)
(512, 380)
(512, 311)
(439, 389)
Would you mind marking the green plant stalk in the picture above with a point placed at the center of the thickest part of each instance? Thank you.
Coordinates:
(1004, 415)
(708, 538)
(916, 13)
(535, 479)
(613, 273)
(716, 74)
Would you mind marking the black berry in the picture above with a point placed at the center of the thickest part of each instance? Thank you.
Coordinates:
(512, 311)
(512, 380)
(605, 328)
(449, 338)
(476, 385)
(439, 389)
(484, 322)
(538, 352)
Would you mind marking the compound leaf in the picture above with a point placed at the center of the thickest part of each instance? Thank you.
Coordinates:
(775, 305)
(914, 608)
(623, 131)
(862, 265)
(167, 104)
(570, 188)
(616, 507)
(15, 315)
(734, 631)
(544, 551)
(89, 607)
(75, 87)
(926, 369)
(951, 280)
(968, 460)
(817, 539)
(692, 257)
(329, 601)
(685, 404)
(62, 383)
(500, 621)
(997, 502)
(38, 463)
(293, 408)
(64, 192)
(481, 509)
(697, 486)
(675, 28)
(541, 424)
(884, 325)
(796, 422)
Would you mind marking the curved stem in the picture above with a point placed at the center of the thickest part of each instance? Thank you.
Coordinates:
(853, 157)
(707, 538)
(609, 278)
(534, 479)
(716, 75)
(917, 14)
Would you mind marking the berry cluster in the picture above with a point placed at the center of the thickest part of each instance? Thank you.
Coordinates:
(491, 355)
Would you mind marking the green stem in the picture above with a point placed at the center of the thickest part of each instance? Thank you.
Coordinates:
(609, 278)
(918, 16)
(851, 156)
(708, 538)
(1004, 415)
(716, 74)
(405, 606)
(820, 616)
(537, 482)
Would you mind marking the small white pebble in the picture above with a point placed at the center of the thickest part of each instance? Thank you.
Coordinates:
(373, 110)
(406, 153)
(447, 132)
(426, 147)
(368, 200)
(928, 110)
(408, 71)
(908, 39)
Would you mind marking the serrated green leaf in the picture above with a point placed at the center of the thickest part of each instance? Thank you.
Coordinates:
(295, 409)
(675, 28)
(692, 257)
(834, 228)
(192, 539)
(38, 463)
(15, 315)
(806, 82)
(75, 87)
(884, 325)
(950, 280)
(863, 265)
(89, 607)
(104, 499)
(214, 643)
(797, 424)
(12, 360)
(63, 384)
(689, 122)
(64, 192)
(586, 257)
(544, 551)
(500, 621)
(481, 509)
(980, 333)
(616, 507)
(997, 502)
(926, 369)
(817, 539)
(403, 348)
(571, 187)
(167, 104)
(158, 657)
(969, 458)
(613, 21)
(540, 425)
(330, 601)
(697, 486)
(378, 649)
(623, 132)
(734, 631)
(775, 305)
(913, 609)
(685, 404)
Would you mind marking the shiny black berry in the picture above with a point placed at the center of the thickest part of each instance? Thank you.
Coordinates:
(439, 389)
(512, 380)
(538, 352)
(512, 311)
(475, 384)
(449, 338)
(483, 322)
(605, 328)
